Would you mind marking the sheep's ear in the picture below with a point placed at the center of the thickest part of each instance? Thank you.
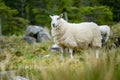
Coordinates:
(50, 16)
(61, 15)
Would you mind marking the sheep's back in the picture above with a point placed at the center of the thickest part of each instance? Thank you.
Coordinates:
(86, 34)
(104, 29)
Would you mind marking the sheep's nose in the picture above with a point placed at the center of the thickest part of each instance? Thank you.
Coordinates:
(53, 25)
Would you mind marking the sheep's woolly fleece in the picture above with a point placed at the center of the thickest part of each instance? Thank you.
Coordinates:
(75, 36)
(105, 32)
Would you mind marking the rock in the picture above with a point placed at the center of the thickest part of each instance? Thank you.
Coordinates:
(18, 78)
(36, 34)
(6, 75)
(47, 56)
(43, 37)
(32, 30)
(29, 39)
(10, 75)
(54, 48)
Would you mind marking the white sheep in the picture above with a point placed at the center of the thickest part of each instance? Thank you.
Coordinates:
(75, 36)
(105, 32)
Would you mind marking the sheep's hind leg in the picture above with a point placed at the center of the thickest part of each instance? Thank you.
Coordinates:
(71, 53)
(94, 52)
(97, 53)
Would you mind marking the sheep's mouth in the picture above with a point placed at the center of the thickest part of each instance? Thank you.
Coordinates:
(53, 25)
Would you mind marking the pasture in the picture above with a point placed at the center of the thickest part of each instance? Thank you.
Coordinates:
(28, 60)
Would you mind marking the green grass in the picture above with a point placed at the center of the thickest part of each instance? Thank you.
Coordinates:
(28, 60)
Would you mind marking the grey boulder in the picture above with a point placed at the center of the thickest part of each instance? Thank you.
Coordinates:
(36, 34)
(54, 48)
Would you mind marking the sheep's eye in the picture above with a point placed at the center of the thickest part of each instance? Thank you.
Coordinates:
(58, 18)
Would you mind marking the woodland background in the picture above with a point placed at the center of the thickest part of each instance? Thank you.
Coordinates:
(16, 15)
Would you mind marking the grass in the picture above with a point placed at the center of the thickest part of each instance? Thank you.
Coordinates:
(27, 60)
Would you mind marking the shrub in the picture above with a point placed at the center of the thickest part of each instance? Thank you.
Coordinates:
(99, 14)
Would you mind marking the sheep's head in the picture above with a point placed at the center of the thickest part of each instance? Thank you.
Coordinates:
(55, 20)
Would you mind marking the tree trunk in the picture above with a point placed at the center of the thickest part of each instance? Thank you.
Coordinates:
(66, 17)
(23, 3)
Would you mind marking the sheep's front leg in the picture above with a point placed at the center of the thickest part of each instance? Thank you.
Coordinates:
(71, 53)
(61, 54)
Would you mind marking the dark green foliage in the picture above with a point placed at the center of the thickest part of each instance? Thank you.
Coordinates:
(11, 24)
(36, 12)
(115, 7)
(98, 14)
(16, 25)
